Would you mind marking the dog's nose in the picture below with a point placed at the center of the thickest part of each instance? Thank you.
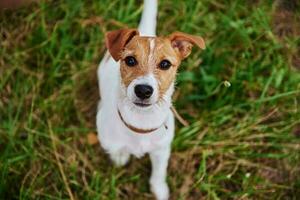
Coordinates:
(143, 91)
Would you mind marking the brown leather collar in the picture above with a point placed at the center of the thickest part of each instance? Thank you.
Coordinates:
(138, 130)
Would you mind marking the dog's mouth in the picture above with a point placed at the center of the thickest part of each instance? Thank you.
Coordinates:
(143, 105)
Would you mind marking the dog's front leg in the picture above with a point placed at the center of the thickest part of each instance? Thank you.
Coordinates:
(159, 160)
(120, 157)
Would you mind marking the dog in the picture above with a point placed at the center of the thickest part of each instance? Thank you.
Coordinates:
(136, 80)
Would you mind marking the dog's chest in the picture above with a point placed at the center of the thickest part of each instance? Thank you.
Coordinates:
(113, 135)
(139, 146)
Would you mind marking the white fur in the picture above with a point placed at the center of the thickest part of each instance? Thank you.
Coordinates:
(119, 141)
(147, 25)
(151, 48)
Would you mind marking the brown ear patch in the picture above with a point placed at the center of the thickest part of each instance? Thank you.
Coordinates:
(183, 43)
(116, 40)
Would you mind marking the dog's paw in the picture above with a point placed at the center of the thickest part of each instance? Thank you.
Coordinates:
(120, 158)
(160, 189)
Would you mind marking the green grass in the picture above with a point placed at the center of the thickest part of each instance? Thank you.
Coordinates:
(240, 144)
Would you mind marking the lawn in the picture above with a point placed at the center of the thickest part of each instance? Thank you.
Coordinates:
(241, 97)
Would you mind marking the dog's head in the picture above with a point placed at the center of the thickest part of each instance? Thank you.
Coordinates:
(148, 65)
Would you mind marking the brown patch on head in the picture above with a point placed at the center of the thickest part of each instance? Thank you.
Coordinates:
(165, 51)
(139, 48)
(148, 53)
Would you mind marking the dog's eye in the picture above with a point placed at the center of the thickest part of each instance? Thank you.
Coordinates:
(130, 61)
(165, 64)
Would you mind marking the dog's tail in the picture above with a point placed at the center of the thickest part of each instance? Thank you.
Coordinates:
(147, 25)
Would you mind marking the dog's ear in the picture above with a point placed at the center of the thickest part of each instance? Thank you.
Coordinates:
(183, 43)
(116, 40)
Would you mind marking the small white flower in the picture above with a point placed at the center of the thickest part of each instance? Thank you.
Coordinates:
(227, 84)
(248, 175)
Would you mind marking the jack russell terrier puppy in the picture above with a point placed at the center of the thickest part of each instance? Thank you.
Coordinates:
(136, 81)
